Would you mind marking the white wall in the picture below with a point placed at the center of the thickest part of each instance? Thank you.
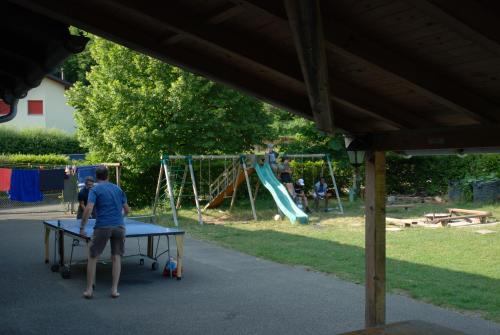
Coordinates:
(56, 113)
(59, 115)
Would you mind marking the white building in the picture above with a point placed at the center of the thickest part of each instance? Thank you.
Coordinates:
(45, 107)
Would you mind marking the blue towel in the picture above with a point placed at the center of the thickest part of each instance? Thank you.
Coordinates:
(25, 186)
(85, 171)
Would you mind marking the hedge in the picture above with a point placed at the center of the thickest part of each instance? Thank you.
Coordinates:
(431, 175)
(22, 160)
(37, 142)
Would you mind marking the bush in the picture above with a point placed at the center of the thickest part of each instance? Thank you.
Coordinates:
(21, 159)
(37, 142)
(431, 175)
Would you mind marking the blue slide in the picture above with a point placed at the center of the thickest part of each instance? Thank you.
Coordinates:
(280, 194)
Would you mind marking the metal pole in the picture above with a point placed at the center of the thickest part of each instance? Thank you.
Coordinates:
(158, 186)
(249, 187)
(330, 168)
(235, 187)
(191, 171)
(179, 197)
(170, 192)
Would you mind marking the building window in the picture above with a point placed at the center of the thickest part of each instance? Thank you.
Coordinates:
(4, 108)
(35, 107)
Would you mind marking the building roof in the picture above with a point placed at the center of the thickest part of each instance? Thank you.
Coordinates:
(32, 46)
(398, 74)
(58, 80)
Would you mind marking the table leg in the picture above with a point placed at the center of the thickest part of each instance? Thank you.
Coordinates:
(47, 236)
(150, 247)
(61, 247)
(179, 241)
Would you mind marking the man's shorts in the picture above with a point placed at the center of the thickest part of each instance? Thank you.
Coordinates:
(101, 236)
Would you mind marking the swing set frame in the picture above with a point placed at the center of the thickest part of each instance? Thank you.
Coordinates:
(245, 163)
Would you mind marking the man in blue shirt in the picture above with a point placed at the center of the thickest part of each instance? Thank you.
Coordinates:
(110, 204)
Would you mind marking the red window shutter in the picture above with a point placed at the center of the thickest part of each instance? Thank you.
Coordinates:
(4, 108)
(35, 107)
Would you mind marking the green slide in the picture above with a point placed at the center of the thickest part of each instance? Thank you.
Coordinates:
(280, 194)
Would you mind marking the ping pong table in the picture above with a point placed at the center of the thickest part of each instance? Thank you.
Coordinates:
(134, 229)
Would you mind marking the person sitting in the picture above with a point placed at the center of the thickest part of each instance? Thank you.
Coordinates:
(272, 157)
(286, 175)
(301, 194)
(83, 197)
(320, 193)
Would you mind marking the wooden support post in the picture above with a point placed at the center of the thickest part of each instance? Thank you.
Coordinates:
(170, 192)
(118, 170)
(195, 191)
(179, 241)
(235, 187)
(375, 238)
(249, 187)
(179, 197)
(158, 187)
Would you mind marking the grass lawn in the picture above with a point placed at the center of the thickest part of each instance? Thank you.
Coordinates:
(453, 267)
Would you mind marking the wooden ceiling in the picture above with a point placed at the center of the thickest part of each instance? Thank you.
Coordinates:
(398, 74)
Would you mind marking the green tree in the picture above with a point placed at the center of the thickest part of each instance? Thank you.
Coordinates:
(135, 107)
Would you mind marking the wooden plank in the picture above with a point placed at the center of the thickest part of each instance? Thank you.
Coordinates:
(468, 211)
(375, 238)
(470, 19)
(304, 18)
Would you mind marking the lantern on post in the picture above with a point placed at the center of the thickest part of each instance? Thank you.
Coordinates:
(356, 158)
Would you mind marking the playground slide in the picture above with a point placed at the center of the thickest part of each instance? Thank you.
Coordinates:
(280, 194)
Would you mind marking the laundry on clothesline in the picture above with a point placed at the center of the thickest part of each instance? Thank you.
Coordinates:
(25, 186)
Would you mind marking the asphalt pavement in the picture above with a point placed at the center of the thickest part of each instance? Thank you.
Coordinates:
(222, 292)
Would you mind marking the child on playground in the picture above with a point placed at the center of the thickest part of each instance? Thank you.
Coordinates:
(272, 157)
(301, 194)
(286, 175)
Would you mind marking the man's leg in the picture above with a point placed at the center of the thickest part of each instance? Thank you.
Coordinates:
(117, 251)
(97, 245)
(117, 267)
(326, 202)
(91, 265)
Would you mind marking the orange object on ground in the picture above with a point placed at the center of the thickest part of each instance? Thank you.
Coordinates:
(5, 175)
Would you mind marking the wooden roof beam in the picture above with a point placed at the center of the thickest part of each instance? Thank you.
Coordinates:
(268, 57)
(304, 17)
(273, 60)
(432, 139)
(425, 81)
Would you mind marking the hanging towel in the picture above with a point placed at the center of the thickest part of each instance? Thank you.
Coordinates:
(5, 179)
(70, 188)
(25, 186)
(52, 180)
(84, 172)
